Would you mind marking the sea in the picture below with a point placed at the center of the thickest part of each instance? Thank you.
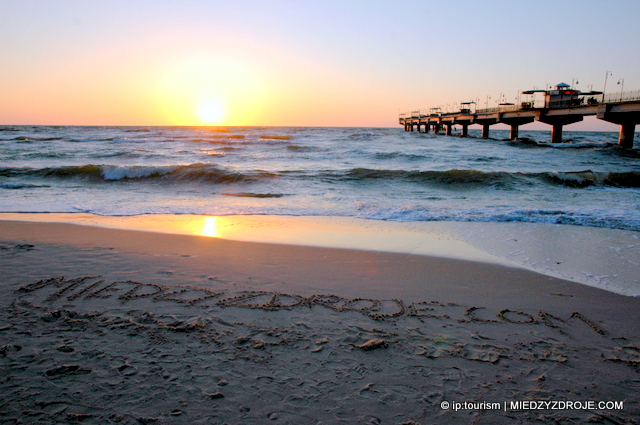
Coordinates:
(369, 173)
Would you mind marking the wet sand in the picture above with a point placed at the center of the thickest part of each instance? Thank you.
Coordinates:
(119, 326)
(604, 258)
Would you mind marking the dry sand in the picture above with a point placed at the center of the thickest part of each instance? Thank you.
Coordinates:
(106, 326)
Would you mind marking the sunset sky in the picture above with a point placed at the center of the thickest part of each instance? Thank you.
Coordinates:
(300, 63)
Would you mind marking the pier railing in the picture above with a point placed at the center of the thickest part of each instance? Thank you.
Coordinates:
(501, 108)
(627, 96)
(619, 97)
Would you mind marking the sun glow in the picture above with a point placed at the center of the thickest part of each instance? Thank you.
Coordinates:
(211, 112)
(196, 89)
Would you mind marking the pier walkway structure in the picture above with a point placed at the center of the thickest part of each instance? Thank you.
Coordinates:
(562, 106)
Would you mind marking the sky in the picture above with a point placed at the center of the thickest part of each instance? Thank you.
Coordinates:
(298, 62)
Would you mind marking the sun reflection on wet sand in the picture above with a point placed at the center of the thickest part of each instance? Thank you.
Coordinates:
(210, 227)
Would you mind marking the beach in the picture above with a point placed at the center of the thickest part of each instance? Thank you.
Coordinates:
(283, 213)
(111, 325)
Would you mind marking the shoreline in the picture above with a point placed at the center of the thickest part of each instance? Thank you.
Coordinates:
(603, 258)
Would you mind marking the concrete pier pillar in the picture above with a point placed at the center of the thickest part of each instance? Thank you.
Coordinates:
(436, 128)
(556, 133)
(625, 117)
(448, 129)
(485, 131)
(627, 132)
(513, 134)
(515, 123)
(557, 122)
(465, 130)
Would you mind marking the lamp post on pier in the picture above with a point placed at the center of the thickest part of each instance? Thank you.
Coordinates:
(621, 82)
(604, 90)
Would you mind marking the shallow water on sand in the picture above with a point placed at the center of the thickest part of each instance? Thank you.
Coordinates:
(604, 258)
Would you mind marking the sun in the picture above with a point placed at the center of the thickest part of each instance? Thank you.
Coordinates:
(211, 112)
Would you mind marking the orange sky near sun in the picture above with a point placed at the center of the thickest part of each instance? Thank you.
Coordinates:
(179, 87)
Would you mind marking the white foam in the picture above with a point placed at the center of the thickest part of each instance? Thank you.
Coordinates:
(119, 172)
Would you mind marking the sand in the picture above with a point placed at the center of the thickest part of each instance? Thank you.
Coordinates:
(106, 326)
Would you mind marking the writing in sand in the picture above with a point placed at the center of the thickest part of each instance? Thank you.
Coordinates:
(100, 350)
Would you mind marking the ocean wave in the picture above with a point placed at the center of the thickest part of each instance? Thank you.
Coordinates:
(589, 178)
(35, 139)
(200, 173)
(407, 213)
(254, 195)
(15, 186)
(470, 178)
(454, 177)
(402, 155)
(618, 151)
(486, 159)
(214, 173)
(49, 154)
(296, 148)
(218, 139)
(233, 139)
(274, 137)
(566, 144)
(229, 148)
(121, 154)
(89, 140)
(362, 135)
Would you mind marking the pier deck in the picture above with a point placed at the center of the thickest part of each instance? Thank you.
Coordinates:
(624, 111)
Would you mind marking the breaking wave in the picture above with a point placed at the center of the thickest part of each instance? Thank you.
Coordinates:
(214, 173)
(202, 173)
(457, 177)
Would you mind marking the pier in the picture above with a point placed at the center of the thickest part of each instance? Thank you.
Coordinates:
(562, 106)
